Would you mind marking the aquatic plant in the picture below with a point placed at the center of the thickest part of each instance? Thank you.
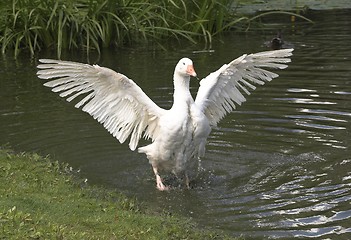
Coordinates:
(97, 24)
(68, 24)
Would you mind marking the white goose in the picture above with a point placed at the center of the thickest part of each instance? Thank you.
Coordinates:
(179, 134)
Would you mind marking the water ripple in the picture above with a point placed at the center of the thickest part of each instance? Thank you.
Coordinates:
(305, 101)
(278, 166)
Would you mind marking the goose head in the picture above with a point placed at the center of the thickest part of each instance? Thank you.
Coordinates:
(185, 68)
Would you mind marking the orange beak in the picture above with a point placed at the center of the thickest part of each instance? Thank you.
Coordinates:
(190, 70)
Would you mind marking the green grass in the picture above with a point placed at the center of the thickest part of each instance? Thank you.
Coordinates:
(42, 199)
(96, 24)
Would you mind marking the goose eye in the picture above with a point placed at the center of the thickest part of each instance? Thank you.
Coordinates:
(184, 63)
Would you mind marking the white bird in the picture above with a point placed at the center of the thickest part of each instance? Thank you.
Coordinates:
(179, 134)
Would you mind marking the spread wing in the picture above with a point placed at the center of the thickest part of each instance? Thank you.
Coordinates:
(110, 97)
(222, 90)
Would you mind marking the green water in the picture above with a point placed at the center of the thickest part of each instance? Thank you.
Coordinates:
(279, 166)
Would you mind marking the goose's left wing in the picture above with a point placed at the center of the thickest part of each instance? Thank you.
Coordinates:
(222, 90)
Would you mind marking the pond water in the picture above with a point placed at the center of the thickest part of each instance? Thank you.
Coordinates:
(279, 166)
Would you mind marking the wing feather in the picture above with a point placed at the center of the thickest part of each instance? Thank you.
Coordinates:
(109, 97)
(222, 90)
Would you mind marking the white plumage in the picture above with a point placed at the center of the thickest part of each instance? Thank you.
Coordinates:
(179, 134)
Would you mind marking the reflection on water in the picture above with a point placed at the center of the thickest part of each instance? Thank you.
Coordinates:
(298, 200)
(279, 166)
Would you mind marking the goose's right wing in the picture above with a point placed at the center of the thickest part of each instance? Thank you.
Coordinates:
(110, 97)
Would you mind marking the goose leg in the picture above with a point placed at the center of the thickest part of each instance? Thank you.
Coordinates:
(187, 181)
(159, 184)
(199, 165)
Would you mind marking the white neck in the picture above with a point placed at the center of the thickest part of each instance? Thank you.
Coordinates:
(181, 90)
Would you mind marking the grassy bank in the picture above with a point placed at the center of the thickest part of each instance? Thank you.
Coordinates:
(42, 199)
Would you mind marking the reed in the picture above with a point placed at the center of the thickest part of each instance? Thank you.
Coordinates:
(97, 24)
